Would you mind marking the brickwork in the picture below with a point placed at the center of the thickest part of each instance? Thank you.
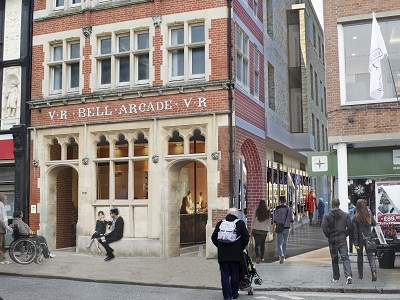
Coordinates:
(367, 118)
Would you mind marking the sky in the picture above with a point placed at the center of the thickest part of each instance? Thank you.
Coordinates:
(318, 9)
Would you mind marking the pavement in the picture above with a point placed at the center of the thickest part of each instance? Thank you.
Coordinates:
(310, 272)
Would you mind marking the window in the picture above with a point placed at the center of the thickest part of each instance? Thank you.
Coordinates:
(313, 124)
(318, 136)
(192, 52)
(256, 73)
(65, 4)
(314, 36)
(197, 142)
(319, 47)
(316, 87)
(175, 144)
(75, 2)
(271, 86)
(312, 82)
(323, 53)
(55, 150)
(122, 176)
(72, 149)
(255, 8)
(323, 137)
(242, 57)
(131, 59)
(58, 4)
(321, 94)
(354, 63)
(270, 18)
(64, 67)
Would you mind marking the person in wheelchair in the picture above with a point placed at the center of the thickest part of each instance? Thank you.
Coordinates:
(22, 229)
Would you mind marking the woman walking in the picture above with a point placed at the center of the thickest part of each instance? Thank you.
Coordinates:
(260, 228)
(362, 225)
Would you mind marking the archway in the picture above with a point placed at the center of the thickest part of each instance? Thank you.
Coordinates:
(62, 206)
(189, 227)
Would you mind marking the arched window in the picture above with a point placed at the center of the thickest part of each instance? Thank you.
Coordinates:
(121, 147)
(103, 148)
(141, 146)
(197, 142)
(175, 144)
(55, 150)
(72, 149)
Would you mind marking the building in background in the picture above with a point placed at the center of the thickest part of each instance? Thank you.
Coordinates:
(15, 62)
(149, 105)
(363, 131)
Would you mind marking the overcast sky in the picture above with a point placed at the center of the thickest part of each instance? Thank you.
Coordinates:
(318, 8)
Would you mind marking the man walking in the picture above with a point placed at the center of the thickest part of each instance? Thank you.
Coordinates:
(336, 227)
(283, 215)
(230, 246)
(3, 229)
(116, 233)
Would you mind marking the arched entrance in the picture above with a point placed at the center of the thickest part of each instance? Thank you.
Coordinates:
(190, 227)
(62, 206)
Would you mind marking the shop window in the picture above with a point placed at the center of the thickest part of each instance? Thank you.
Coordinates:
(197, 142)
(103, 148)
(121, 180)
(121, 148)
(55, 150)
(140, 179)
(141, 146)
(72, 149)
(175, 144)
(103, 180)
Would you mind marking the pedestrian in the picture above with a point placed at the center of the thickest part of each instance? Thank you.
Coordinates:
(24, 229)
(311, 203)
(283, 215)
(362, 226)
(3, 229)
(336, 227)
(100, 230)
(116, 233)
(230, 254)
(321, 210)
(352, 212)
(259, 229)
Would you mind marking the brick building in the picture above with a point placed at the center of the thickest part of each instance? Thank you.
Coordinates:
(364, 131)
(136, 103)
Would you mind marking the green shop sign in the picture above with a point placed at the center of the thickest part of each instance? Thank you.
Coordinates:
(360, 162)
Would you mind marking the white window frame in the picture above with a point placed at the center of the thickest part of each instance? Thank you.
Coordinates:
(255, 7)
(52, 65)
(243, 51)
(103, 57)
(75, 4)
(187, 48)
(58, 7)
(256, 74)
(122, 54)
(136, 53)
(72, 61)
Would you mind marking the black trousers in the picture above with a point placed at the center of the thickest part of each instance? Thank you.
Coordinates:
(109, 240)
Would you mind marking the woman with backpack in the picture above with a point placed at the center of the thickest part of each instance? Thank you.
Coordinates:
(261, 225)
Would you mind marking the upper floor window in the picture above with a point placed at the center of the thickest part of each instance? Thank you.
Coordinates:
(242, 57)
(314, 36)
(130, 59)
(197, 142)
(255, 7)
(256, 74)
(354, 51)
(187, 52)
(63, 4)
(175, 143)
(59, 4)
(65, 67)
(312, 81)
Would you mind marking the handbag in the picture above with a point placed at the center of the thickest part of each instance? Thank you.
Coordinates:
(369, 242)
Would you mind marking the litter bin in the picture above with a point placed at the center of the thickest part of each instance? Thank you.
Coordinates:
(386, 258)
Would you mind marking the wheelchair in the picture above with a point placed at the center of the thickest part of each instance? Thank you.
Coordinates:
(25, 249)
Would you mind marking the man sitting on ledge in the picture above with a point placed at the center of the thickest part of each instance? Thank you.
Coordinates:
(116, 233)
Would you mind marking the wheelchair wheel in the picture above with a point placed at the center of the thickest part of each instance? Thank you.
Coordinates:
(23, 251)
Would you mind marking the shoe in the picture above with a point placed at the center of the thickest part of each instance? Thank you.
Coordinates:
(235, 296)
(360, 277)
(51, 255)
(109, 257)
(374, 276)
(5, 262)
(349, 280)
(281, 259)
(88, 245)
(335, 280)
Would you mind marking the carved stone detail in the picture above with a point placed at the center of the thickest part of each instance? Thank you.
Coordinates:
(87, 30)
(157, 20)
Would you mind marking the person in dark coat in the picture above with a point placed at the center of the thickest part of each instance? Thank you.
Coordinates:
(336, 227)
(116, 233)
(321, 210)
(100, 230)
(362, 225)
(230, 255)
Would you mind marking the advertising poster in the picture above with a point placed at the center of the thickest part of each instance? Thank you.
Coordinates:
(388, 202)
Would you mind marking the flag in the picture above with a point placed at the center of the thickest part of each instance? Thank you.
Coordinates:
(377, 52)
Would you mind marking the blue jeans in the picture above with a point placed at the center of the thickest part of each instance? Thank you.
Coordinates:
(282, 241)
(336, 249)
(229, 278)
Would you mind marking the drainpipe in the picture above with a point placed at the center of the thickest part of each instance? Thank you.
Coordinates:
(230, 100)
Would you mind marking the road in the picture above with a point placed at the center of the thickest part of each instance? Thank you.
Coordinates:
(17, 288)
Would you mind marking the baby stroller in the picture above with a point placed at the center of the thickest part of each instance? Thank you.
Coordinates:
(247, 273)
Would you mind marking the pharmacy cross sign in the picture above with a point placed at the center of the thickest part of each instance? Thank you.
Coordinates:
(320, 163)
